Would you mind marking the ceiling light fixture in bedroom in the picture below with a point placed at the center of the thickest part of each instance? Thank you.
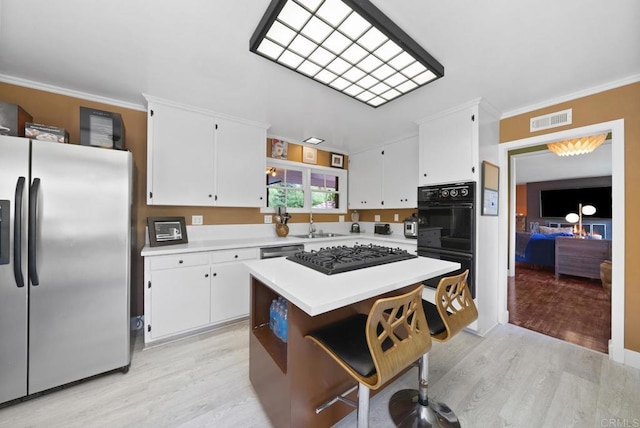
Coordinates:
(577, 146)
(347, 45)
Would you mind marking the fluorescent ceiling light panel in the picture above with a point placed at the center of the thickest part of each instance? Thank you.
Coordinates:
(341, 42)
(340, 83)
(313, 140)
(309, 68)
(353, 90)
(316, 30)
(354, 74)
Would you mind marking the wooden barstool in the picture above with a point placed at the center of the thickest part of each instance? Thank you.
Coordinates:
(375, 348)
(453, 311)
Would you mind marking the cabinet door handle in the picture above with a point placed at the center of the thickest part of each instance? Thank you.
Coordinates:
(180, 261)
(215, 274)
(206, 275)
(236, 256)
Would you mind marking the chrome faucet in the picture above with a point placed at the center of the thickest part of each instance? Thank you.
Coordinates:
(312, 228)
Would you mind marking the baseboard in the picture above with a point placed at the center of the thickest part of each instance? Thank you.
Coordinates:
(632, 358)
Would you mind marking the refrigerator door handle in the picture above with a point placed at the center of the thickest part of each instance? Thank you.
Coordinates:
(33, 213)
(17, 234)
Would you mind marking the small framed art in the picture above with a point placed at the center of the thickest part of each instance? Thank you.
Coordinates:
(309, 155)
(166, 231)
(279, 149)
(490, 178)
(337, 160)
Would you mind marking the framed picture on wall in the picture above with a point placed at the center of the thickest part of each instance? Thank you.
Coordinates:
(309, 155)
(337, 160)
(490, 179)
(279, 149)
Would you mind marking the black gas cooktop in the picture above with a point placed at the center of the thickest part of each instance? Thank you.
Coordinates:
(332, 260)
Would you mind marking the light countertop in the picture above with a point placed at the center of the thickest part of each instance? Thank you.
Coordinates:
(225, 244)
(317, 293)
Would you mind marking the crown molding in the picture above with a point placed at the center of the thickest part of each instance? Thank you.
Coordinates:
(154, 99)
(572, 96)
(69, 92)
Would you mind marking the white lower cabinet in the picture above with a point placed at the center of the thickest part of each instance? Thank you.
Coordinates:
(230, 284)
(179, 300)
(193, 291)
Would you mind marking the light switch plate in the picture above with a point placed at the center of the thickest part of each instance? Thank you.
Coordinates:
(196, 220)
(396, 217)
(376, 218)
(341, 219)
(267, 219)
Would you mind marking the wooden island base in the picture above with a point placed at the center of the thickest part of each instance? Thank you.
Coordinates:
(292, 379)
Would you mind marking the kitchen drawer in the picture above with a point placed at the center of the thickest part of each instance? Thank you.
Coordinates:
(234, 255)
(179, 260)
(580, 266)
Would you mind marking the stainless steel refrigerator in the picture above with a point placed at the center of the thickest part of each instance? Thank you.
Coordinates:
(65, 232)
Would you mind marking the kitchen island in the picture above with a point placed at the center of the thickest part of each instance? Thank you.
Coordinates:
(292, 379)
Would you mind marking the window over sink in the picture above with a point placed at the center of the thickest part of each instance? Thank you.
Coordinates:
(302, 188)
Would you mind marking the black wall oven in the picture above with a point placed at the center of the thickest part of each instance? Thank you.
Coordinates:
(446, 227)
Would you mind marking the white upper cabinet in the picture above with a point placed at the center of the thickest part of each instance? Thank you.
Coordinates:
(400, 174)
(365, 179)
(452, 142)
(180, 156)
(198, 158)
(449, 146)
(384, 177)
(240, 164)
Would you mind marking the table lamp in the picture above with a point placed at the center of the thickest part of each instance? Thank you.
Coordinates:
(577, 218)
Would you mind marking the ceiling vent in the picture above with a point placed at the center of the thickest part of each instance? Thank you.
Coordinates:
(552, 120)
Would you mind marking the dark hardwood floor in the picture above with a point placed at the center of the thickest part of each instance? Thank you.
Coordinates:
(574, 309)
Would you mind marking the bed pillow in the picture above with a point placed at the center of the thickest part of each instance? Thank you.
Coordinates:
(545, 230)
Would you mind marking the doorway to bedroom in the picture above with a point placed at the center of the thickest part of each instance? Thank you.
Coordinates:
(561, 295)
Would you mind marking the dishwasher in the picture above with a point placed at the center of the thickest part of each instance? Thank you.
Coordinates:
(280, 251)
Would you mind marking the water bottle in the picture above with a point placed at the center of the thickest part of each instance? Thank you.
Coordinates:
(282, 318)
(285, 323)
(273, 321)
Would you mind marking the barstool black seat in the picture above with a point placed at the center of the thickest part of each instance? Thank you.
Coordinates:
(436, 325)
(376, 347)
(347, 340)
(453, 310)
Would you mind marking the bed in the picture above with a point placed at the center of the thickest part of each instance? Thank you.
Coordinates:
(537, 248)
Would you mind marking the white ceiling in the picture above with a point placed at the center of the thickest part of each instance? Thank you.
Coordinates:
(547, 166)
(512, 53)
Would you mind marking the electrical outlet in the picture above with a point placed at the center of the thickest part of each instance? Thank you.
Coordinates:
(196, 220)
(267, 219)
(341, 219)
(396, 217)
(376, 218)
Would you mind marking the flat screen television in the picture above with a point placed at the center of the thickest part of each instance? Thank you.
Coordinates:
(560, 202)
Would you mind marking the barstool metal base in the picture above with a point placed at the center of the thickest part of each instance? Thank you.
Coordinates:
(406, 411)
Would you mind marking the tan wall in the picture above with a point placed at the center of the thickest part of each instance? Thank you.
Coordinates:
(521, 199)
(64, 111)
(619, 103)
(386, 215)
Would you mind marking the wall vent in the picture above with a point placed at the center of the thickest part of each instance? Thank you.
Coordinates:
(551, 120)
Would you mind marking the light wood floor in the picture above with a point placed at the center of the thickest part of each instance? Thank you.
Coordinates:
(511, 378)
